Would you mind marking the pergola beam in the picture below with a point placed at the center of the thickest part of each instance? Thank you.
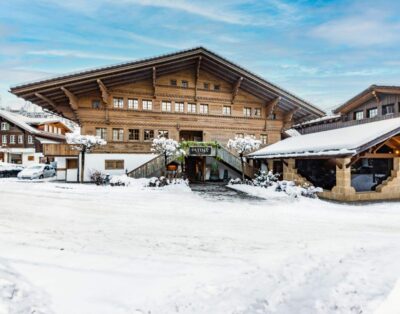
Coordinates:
(235, 90)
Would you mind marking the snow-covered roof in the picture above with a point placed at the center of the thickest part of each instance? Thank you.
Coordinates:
(25, 124)
(292, 132)
(343, 141)
(318, 120)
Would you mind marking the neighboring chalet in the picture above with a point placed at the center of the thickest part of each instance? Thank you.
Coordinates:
(22, 138)
(193, 95)
(353, 154)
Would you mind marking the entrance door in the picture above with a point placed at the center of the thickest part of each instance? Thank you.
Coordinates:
(195, 169)
(193, 136)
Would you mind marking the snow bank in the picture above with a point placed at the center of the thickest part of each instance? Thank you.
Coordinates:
(141, 183)
(392, 303)
(258, 191)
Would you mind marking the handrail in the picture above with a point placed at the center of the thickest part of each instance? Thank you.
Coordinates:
(234, 161)
(150, 167)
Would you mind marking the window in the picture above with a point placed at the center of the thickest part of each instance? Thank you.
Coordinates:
(102, 133)
(257, 112)
(20, 139)
(5, 126)
(247, 112)
(373, 112)
(133, 134)
(4, 139)
(185, 84)
(388, 109)
(179, 107)
(217, 87)
(118, 135)
(95, 104)
(114, 164)
(239, 135)
(166, 106)
(191, 108)
(147, 105)
(203, 108)
(173, 82)
(30, 139)
(358, 115)
(264, 139)
(148, 135)
(118, 102)
(12, 139)
(206, 85)
(133, 104)
(226, 110)
(163, 133)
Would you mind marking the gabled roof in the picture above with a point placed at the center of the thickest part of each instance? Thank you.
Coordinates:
(47, 93)
(23, 123)
(365, 95)
(347, 141)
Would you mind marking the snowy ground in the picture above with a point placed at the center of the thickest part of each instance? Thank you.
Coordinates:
(68, 248)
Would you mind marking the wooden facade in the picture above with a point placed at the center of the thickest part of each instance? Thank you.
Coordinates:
(194, 95)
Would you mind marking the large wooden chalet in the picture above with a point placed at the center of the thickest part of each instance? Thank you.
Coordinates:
(192, 95)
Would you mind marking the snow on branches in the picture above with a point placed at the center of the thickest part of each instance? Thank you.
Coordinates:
(165, 146)
(84, 142)
(244, 145)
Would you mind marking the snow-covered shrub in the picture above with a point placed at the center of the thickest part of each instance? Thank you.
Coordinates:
(265, 178)
(97, 177)
(163, 181)
(235, 181)
(291, 189)
(123, 180)
(310, 191)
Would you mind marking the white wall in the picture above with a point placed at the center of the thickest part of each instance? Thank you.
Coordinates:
(131, 161)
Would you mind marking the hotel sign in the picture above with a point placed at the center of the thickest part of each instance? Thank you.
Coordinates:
(200, 150)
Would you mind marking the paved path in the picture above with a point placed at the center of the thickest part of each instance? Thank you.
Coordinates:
(219, 191)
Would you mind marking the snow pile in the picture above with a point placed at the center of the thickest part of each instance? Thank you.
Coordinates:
(124, 180)
(392, 302)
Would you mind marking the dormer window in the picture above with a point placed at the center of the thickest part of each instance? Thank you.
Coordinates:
(217, 87)
(173, 82)
(95, 104)
(206, 85)
(185, 84)
(388, 109)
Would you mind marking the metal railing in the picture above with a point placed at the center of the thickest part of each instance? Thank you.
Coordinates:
(234, 161)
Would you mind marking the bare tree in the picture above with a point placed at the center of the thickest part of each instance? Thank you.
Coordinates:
(85, 144)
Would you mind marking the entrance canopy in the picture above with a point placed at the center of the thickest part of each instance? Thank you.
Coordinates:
(342, 142)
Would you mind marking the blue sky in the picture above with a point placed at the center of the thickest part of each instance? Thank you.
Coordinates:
(323, 51)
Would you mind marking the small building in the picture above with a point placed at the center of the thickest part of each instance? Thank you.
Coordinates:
(354, 155)
(22, 138)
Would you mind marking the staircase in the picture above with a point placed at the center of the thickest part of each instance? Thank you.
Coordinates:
(150, 168)
(157, 164)
(234, 161)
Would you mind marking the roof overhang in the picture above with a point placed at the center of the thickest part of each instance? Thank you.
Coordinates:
(50, 93)
(371, 92)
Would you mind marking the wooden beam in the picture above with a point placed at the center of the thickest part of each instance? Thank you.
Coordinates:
(235, 90)
(289, 115)
(73, 102)
(105, 95)
(378, 155)
(47, 100)
(154, 81)
(196, 78)
(375, 94)
(270, 108)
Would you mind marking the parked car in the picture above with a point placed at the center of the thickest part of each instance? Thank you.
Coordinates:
(37, 172)
(9, 170)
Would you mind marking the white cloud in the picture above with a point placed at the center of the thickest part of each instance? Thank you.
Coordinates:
(364, 30)
(76, 54)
